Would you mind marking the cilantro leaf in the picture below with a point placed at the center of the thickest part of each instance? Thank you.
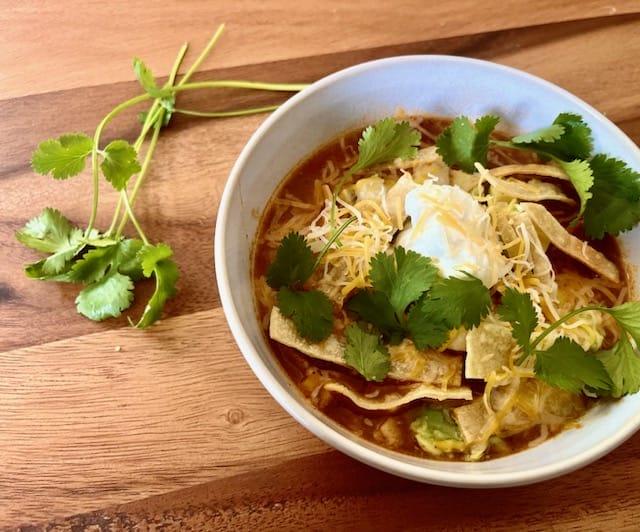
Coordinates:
(382, 142)
(94, 264)
(156, 261)
(120, 163)
(366, 354)
(615, 203)
(450, 304)
(146, 79)
(63, 157)
(374, 307)
(574, 142)
(426, 325)
(547, 134)
(150, 255)
(51, 233)
(293, 264)
(461, 301)
(106, 298)
(385, 141)
(566, 365)
(165, 97)
(403, 277)
(120, 256)
(517, 308)
(622, 363)
(628, 317)
(310, 311)
(463, 143)
(581, 176)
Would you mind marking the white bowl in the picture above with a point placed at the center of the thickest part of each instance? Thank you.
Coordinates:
(357, 96)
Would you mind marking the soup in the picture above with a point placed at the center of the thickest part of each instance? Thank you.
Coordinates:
(410, 299)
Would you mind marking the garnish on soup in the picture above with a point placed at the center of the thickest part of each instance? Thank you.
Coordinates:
(446, 291)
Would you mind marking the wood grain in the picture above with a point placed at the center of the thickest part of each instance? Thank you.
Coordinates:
(103, 427)
(125, 410)
(351, 496)
(254, 30)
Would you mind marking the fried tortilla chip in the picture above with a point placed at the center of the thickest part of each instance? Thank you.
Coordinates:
(515, 227)
(472, 419)
(541, 170)
(569, 244)
(518, 406)
(531, 190)
(489, 348)
(407, 394)
(407, 362)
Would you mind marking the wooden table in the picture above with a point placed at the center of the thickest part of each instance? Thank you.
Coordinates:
(105, 427)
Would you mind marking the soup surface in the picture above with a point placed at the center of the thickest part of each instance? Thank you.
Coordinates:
(397, 362)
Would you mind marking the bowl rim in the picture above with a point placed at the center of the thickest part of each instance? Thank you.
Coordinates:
(363, 451)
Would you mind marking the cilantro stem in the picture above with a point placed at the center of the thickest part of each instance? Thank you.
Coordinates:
(334, 238)
(155, 118)
(240, 84)
(225, 114)
(196, 64)
(129, 199)
(525, 147)
(555, 325)
(95, 150)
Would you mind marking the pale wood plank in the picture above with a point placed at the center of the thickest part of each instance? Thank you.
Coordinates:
(113, 32)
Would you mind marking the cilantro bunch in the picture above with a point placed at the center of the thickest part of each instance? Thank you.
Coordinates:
(609, 191)
(107, 263)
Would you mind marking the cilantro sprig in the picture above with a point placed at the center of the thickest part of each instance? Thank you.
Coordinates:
(366, 353)
(107, 263)
(382, 142)
(609, 191)
(310, 311)
(614, 372)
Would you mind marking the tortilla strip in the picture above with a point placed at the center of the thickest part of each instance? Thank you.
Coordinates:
(542, 170)
(391, 401)
(471, 419)
(528, 402)
(489, 348)
(570, 244)
(532, 190)
(407, 362)
(511, 228)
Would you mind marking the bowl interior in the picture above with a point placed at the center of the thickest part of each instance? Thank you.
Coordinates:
(437, 85)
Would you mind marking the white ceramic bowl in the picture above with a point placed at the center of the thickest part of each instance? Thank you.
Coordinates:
(357, 96)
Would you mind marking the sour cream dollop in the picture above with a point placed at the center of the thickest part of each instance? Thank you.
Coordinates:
(454, 230)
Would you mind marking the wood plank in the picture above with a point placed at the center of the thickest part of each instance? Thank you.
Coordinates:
(101, 419)
(332, 491)
(312, 28)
